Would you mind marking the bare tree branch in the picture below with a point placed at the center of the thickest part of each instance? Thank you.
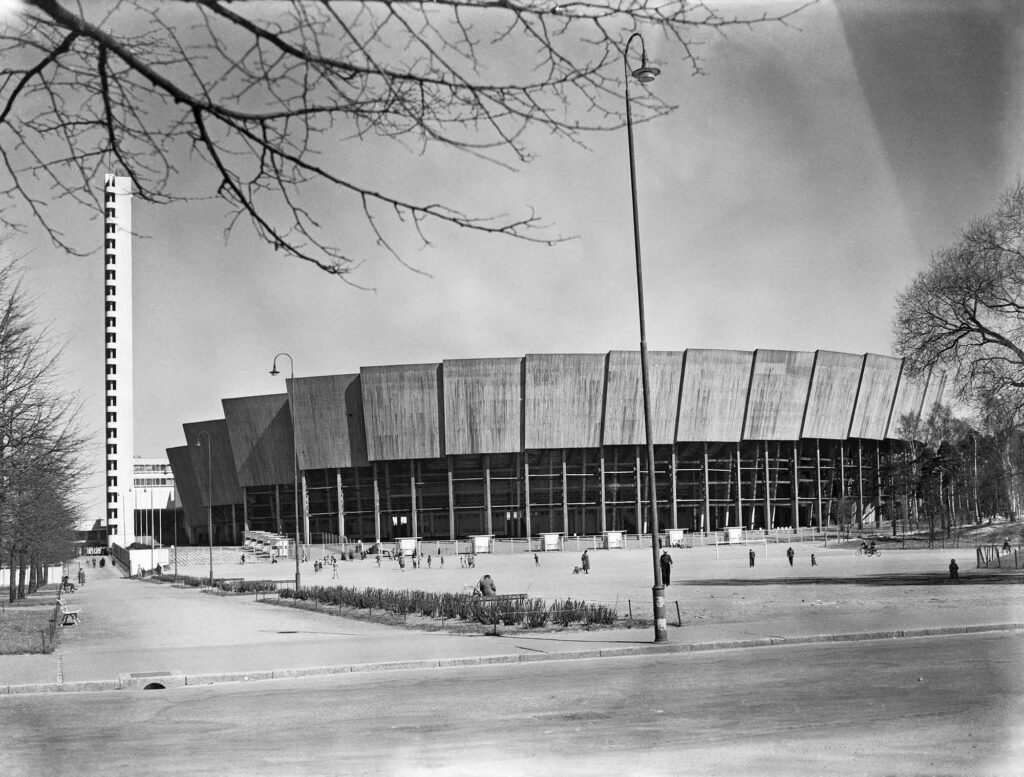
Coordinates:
(263, 92)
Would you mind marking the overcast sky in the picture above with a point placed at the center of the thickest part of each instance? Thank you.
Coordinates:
(797, 188)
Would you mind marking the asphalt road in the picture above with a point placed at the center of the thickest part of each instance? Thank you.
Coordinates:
(929, 706)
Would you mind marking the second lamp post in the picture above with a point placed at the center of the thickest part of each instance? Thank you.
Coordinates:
(295, 467)
(645, 74)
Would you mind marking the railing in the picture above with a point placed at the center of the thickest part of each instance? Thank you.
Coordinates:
(1000, 557)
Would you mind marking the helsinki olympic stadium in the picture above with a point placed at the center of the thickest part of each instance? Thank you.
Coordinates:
(546, 443)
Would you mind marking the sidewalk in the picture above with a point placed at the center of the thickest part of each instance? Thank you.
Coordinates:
(180, 636)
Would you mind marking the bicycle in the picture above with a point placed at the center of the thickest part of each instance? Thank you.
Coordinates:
(868, 552)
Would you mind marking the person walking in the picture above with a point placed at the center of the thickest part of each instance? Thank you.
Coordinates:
(751, 557)
(954, 570)
(585, 562)
(536, 560)
(789, 554)
(814, 561)
(666, 567)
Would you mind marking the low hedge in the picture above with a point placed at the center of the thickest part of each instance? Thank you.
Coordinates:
(231, 586)
(530, 613)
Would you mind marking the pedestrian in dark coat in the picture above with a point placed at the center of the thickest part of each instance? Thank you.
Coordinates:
(486, 586)
(751, 557)
(789, 554)
(585, 560)
(666, 567)
(954, 570)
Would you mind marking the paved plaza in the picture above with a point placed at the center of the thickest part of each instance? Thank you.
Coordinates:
(716, 600)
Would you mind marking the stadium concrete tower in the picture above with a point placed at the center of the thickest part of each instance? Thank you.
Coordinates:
(119, 392)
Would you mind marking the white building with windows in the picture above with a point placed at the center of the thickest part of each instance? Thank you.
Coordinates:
(156, 499)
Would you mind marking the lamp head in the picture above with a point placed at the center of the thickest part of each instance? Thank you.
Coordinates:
(645, 74)
(274, 370)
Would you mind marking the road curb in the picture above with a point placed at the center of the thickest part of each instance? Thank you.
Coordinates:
(515, 658)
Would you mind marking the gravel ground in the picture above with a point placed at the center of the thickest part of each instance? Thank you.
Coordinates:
(710, 584)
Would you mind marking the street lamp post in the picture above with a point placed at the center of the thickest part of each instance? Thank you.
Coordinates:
(645, 74)
(152, 533)
(209, 497)
(295, 466)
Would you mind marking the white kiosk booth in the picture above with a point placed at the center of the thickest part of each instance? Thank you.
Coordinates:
(614, 539)
(733, 534)
(551, 540)
(481, 543)
(675, 537)
(406, 545)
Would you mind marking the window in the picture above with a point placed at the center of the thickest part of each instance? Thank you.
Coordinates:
(111, 291)
(111, 307)
(111, 434)
(111, 228)
(111, 385)
(110, 197)
(111, 353)
(111, 212)
(111, 274)
(111, 337)
(111, 258)
(112, 450)
(111, 369)
(111, 321)
(111, 497)
(112, 401)
(111, 465)
(111, 243)
(112, 481)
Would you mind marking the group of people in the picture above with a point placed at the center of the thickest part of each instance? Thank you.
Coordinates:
(416, 560)
(330, 561)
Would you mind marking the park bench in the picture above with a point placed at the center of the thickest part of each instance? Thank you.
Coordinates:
(487, 609)
(67, 617)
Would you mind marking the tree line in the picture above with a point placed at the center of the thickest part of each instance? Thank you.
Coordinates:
(40, 445)
(964, 315)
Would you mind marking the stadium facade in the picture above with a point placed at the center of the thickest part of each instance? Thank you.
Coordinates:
(516, 447)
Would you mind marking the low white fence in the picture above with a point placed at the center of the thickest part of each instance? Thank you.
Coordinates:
(51, 574)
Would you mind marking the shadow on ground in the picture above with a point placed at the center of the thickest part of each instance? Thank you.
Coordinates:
(920, 578)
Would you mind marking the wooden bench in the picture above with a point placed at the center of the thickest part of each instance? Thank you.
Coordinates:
(485, 607)
(68, 617)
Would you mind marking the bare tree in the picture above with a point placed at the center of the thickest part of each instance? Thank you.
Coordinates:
(40, 445)
(965, 313)
(259, 94)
